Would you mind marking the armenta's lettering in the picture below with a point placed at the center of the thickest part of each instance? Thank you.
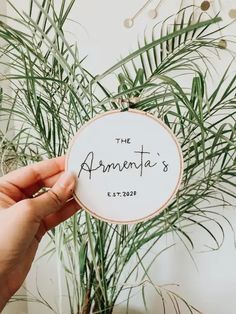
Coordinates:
(90, 165)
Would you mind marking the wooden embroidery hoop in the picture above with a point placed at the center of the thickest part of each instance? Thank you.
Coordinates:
(156, 211)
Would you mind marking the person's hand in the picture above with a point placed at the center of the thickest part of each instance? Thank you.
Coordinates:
(24, 219)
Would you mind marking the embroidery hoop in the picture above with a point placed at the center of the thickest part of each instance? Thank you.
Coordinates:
(155, 212)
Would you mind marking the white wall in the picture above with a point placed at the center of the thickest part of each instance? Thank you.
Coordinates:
(211, 286)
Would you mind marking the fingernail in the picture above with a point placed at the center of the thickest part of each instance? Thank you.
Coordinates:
(67, 181)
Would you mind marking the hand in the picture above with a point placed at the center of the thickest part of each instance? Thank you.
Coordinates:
(25, 219)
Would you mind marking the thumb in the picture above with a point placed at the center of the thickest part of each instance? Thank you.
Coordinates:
(55, 198)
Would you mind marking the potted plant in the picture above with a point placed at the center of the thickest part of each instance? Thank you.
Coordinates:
(53, 95)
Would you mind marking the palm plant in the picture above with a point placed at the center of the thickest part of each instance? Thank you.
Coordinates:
(53, 95)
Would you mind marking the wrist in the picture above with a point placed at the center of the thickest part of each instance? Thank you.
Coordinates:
(4, 296)
(3, 302)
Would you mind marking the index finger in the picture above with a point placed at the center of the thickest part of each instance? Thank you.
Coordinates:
(27, 176)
